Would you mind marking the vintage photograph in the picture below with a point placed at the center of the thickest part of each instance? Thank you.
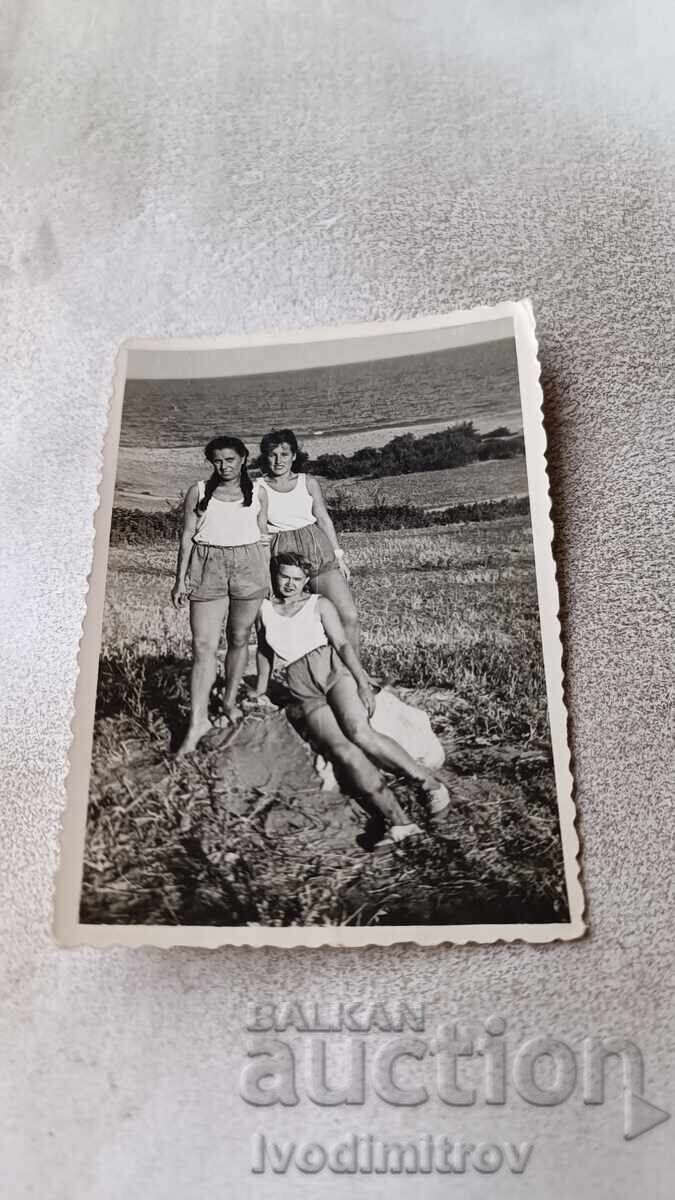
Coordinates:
(320, 694)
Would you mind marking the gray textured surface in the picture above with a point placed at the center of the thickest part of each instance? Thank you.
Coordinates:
(208, 168)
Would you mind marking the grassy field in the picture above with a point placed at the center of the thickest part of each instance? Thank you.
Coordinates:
(147, 480)
(450, 618)
(492, 480)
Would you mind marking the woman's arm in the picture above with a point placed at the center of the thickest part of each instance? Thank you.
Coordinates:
(264, 660)
(337, 637)
(262, 516)
(178, 593)
(324, 522)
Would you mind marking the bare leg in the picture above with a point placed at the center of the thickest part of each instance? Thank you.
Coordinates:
(353, 720)
(334, 586)
(206, 621)
(240, 622)
(365, 777)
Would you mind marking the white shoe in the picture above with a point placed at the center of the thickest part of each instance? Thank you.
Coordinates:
(439, 799)
(396, 835)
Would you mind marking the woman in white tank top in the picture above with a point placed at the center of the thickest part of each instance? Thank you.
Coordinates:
(328, 683)
(223, 570)
(300, 524)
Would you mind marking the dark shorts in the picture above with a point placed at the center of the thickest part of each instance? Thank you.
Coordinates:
(241, 572)
(311, 543)
(311, 677)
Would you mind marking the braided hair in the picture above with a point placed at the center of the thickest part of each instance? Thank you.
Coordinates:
(279, 437)
(245, 482)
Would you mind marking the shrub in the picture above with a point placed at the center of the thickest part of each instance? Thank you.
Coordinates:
(500, 448)
(500, 431)
(407, 516)
(452, 447)
(131, 527)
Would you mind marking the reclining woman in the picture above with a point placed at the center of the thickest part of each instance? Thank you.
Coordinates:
(326, 679)
(300, 524)
(223, 569)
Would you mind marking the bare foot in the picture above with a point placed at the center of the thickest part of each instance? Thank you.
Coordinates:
(232, 713)
(193, 736)
(255, 703)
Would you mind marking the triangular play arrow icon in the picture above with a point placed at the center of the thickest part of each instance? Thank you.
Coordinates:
(639, 1115)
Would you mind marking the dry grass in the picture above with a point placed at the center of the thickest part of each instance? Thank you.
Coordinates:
(450, 615)
(154, 480)
(491, 480)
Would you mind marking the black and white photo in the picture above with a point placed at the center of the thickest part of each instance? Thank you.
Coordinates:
(320, 694)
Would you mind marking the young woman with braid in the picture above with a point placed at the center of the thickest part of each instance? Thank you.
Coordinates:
(223, 570)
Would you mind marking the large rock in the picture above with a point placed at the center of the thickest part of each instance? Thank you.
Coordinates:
(264, 756)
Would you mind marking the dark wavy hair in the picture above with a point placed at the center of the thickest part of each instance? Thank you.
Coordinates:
(289, 558)
(275, 438)
(226, 443)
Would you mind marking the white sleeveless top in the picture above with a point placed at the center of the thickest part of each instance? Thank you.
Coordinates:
(227, 522)
(293, 637)
(289, 510)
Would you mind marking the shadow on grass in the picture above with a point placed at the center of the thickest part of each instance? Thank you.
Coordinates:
(145, 688)
(171, 843)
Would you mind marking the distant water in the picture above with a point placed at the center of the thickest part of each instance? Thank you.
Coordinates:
(469, 382)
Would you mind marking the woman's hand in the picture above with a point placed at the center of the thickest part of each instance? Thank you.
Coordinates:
(342, 564)
(367, 698)
(178, 595)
